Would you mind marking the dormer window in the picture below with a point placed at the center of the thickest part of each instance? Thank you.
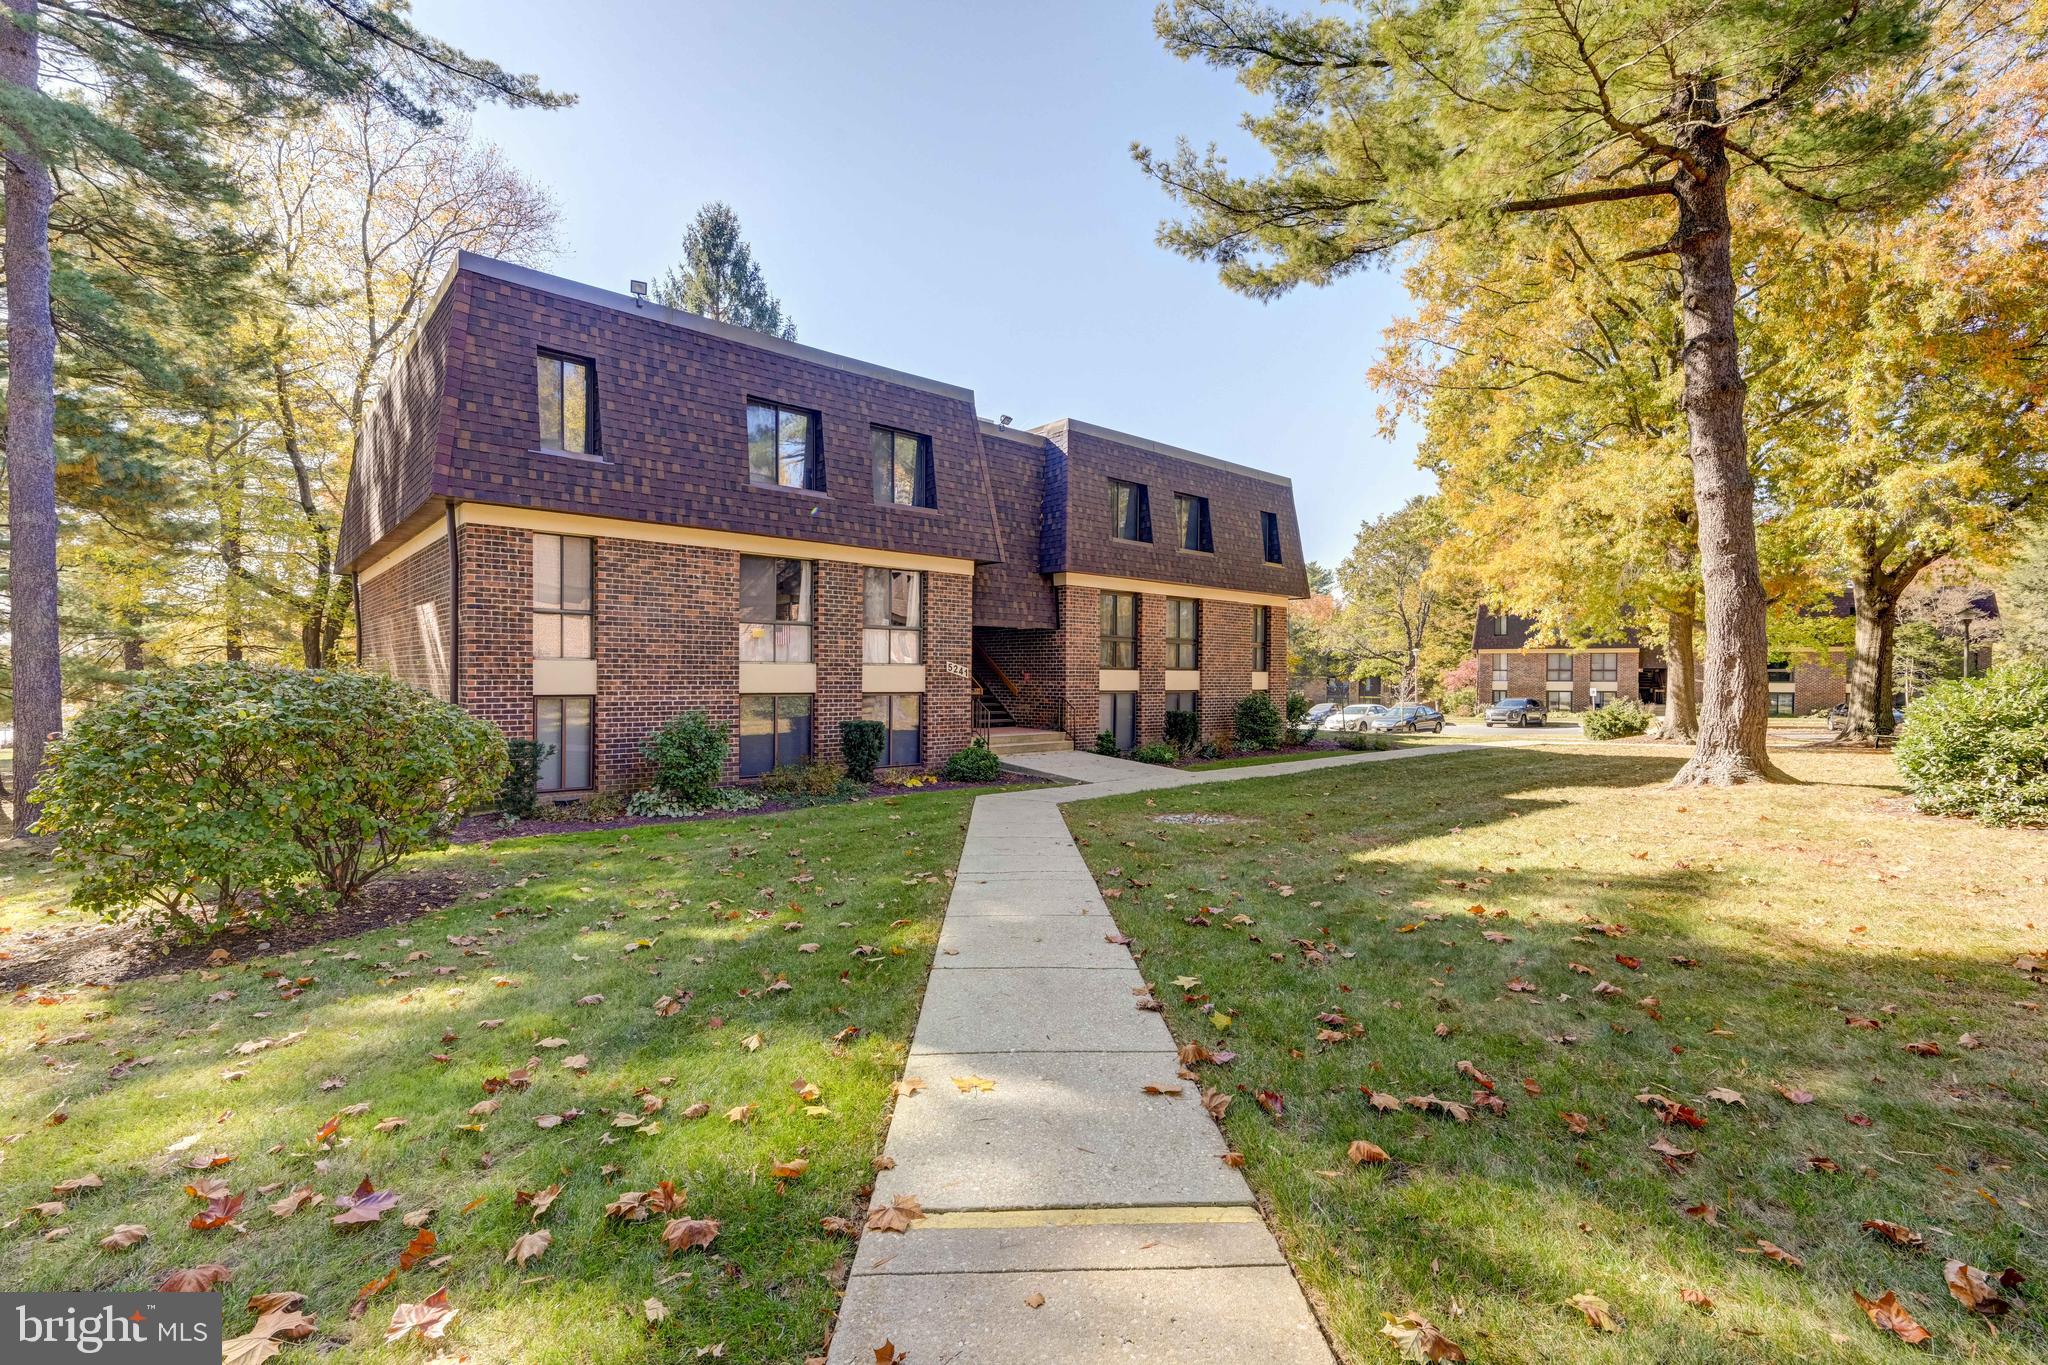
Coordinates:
(1269, 532)
(565, 408)
(1191, 516)
(1130, 511)
(784, 447)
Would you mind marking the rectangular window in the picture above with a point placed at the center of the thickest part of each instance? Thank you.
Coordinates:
(1183, 632)
(1130, 511)
(1783, 704)
(1117, 714)
(1779, 670)
(775, 610)
(774, 732)
(1606, 668)
(1558, 668)
(561, 596)
(1500, 625)
(1500, 694)
(1183, 701)
(565, 406)
(1191, 515)
(1269, 531)
(1119, 630)
(785, 447)
(1500, 670)
(902, 468)
(901, 713)
(1560, 701)
(1258, 639)
(561, 725)
(894, 627)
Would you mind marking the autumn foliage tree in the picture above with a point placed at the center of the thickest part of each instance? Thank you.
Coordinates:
(1403, 121)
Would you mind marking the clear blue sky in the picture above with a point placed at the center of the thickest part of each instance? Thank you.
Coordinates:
(946, 188)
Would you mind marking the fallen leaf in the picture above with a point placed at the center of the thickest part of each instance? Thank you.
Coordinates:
(1894, 1233)
(1034, 1300)
(1977, 1290)
(790, 1169)
(124, 1236)
(654, 1310)
(895, 1216)
(429, 1317)
(366, 1205)
(1721, 1094)
(887, 1354)
(1794, 1096)
(972, 1084)
(301, 1198)
(1419, 1339)
(197, 1279)
(1362, 1152)
(528, 1245)
(1598, 1314)
(682, 1234)
(1771, 1251)
(1889, 1315)
(1694, 1298)
(418, 1249)
(75, 1184)
(1577, 1123)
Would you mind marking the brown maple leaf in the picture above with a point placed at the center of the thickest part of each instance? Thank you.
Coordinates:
(1977, 1290)
(1419, 1339)
(529, 1245)
(895, 1216)
(682, 1234)
(1889, 1315)
(429, 1317)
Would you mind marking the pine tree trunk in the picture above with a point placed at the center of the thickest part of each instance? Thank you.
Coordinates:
(1735, 708)
(31, 435)
(1870, 669)
(1681, 662)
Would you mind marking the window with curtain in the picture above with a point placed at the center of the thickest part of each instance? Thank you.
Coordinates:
(902, 463)
(902, 714)
(561, 726)
(894, 614)
(1130, 511)
(1119, 630)
(1191, 516)
(1259, 639)
(1183, 632)
(565, 404)
(784, 447)
(775, 610)
(562, 572)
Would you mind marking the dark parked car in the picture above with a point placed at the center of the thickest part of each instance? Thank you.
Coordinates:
(1838, 718)
(1517, 711)
(1411, 719)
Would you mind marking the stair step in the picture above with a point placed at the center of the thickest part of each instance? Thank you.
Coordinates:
(1029, 742)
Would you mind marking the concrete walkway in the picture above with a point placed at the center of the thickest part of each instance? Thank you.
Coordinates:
(1043, 1167)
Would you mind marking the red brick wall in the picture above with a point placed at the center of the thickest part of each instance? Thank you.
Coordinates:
(1819, 681)
(398, 636)
(1033, 662)
(1080, 635)
(1226, 658)
(1529, 676)
(667, 642)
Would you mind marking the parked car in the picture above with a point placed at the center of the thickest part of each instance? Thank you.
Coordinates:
(1409, 719)
(1319, 714)
(1357, 716)
(1518, 711)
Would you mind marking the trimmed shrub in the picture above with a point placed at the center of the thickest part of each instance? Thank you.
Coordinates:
(1105, 744)
(975, 763)
(653, 804)
(1258, 723)
(863, 742)
(1297, 708)
(1183, 729)
(688, 756)
(1618, 719)
(1362, 742)
(1156, 753)
(244, 787)
(812, 777)
(1979, 746)
(520, 796)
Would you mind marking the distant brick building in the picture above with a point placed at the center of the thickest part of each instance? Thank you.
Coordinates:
(579, 514)
(1512, 663)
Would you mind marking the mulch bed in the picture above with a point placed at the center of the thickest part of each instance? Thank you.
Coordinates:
(479, 829)
(107, 954)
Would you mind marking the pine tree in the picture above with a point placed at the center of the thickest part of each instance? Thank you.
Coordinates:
(138, 92)
(1391, 127)
(718, 278)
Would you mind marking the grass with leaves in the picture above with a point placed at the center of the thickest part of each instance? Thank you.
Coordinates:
(1824, 979)
(793, 949)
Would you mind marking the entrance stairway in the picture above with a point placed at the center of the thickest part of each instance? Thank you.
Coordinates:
(1014, 740)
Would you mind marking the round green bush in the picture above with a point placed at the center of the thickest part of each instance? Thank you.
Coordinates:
(863, 742)
(1297, 708)
(1155, 753)
(1258, 723)
(1618, 719)
(245, 788)
(1361, 742)
(1106, 745)
(688, 757)
(1979, 746)
(975, 763)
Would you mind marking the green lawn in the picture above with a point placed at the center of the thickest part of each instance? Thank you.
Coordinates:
(417, 1022)
(1763, 921)
(1260, 760)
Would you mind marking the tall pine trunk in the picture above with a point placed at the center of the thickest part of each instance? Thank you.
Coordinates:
(1681, 664)
(31, 437)
(1735, 708)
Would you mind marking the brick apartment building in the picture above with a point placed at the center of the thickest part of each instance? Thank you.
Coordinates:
(579, 514)
(1513, 664)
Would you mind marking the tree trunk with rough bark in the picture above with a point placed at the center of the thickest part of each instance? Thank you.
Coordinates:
(1870, 668)
(1681, 689)
(31, 434)
(1735, 708)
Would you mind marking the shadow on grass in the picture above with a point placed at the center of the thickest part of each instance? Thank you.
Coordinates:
(1672, 943)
